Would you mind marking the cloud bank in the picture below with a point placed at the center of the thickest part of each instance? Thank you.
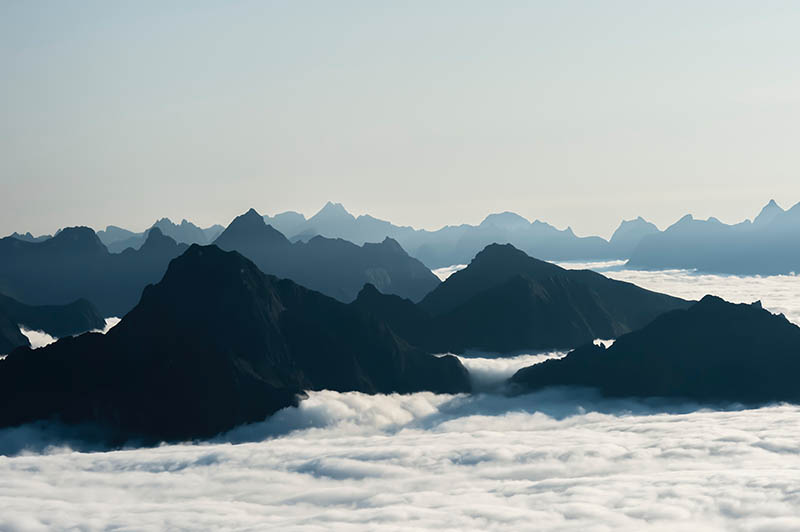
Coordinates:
(558, 460)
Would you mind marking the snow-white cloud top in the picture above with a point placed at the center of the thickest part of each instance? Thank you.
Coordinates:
(553, 460)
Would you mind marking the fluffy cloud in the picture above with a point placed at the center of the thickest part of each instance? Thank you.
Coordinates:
(560, 460)
(489, 373)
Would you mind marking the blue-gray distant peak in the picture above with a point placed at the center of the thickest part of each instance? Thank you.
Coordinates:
(332, 212)
(770, 211)
(506, 220)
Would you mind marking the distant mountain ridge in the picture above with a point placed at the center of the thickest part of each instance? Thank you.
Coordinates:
(117, 239)
(448, 245)
(768, 245)
(335, 267)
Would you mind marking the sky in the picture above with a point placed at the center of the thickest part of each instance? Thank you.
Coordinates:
(423, 113)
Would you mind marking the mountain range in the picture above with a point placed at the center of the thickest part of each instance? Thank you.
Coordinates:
(768, 245)
(452, 244)
(117, 239)
(214, 344)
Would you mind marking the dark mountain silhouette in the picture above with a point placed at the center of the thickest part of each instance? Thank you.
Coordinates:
(332, 266)
(767, 246)
(74, 264)
(117, 239)
(713, 351)
(216, 343)
(506, 301)
(451, 244)
(56, 320)
(28, 237)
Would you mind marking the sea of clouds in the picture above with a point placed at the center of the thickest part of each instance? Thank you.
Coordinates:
(561, 459)
(557, 460)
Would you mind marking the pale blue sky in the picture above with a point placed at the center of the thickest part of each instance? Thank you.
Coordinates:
(423, 113)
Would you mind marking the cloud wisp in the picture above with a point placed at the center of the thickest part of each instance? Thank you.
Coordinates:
(40, 338)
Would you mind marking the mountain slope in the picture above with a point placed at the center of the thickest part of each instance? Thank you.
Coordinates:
(713, 351)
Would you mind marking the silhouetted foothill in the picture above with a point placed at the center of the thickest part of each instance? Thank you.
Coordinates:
(712, 351)
(507, 301)
(333, 266)
(216, 343)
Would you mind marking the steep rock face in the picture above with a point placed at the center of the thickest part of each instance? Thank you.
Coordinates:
(333, 266)
(215, 344)
(506, 301)
(713, 351)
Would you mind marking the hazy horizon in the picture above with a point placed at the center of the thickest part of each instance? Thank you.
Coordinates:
(139, 227)
(579, 114)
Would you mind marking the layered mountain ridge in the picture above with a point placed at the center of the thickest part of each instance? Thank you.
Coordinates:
(216, 343)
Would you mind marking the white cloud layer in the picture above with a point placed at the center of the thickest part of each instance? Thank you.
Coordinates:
(777, 293)
(555, 460)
